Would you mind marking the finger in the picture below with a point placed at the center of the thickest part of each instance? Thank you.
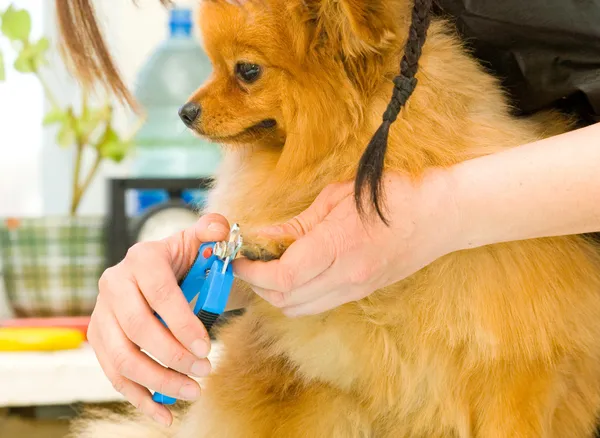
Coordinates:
(134, 393)
(145, 330)
(338, 275)
(303, 260)
(183, 246)
(290, 299)
(328, 280)
(211, 227)
(353, 271)
(129, 362)
(306, 221)
(308, 256)
(323, 304)
(162, 292)
(263, 293)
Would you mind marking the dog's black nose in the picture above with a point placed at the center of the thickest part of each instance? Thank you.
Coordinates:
(189, 113)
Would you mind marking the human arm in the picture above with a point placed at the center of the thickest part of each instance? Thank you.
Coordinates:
(546, 188)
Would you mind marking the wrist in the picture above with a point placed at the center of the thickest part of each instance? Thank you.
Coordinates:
(469, 232)
(440, 187)
(436, 215)
(486, 192)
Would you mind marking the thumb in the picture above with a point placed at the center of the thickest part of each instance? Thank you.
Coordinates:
(302, 224)
(184, 245)
(210, 228)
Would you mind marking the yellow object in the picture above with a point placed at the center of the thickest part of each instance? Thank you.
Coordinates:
(39, 339)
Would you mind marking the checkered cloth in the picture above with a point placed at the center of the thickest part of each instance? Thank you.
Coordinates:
(51, 266)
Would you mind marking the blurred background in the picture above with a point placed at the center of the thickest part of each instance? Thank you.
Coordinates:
(81, 180)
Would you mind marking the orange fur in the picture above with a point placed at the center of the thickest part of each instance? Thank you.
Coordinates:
(501, 341)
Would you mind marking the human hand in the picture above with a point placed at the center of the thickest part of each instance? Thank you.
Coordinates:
(123, 321)
(337, 258)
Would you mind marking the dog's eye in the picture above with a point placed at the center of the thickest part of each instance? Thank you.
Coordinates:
(247, 72)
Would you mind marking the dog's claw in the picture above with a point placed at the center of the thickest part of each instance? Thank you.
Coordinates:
(256, 253)
(260, 248)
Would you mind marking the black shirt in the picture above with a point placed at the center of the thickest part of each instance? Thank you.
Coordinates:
(546, 52)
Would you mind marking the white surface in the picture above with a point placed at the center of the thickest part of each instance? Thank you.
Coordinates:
(56, 378)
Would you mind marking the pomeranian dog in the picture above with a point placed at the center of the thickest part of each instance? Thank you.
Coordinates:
(499, 341)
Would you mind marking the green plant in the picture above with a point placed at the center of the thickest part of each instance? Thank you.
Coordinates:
(89, 128)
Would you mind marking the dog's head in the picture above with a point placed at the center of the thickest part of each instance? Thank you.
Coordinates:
(297, 76)
(285, 67)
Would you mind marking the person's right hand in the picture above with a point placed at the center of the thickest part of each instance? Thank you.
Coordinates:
(123, 321)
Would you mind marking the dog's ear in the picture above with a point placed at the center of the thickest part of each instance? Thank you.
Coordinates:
(353, 26)
(367, 24)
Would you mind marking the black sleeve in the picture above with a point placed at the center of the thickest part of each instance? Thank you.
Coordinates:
(546, 52)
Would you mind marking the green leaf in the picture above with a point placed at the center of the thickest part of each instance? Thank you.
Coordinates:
(23, 63)
(66, 135)
(91, 119)
(32, 56)
(42, 45)
(110, 135)
(39, 51)
(16, 24)
(116, 151)
(55, 116)
(2, 72)
(113, 147)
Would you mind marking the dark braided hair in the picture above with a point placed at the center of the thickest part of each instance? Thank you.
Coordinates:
(370, 168)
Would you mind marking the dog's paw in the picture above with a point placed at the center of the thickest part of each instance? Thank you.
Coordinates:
(264, 248)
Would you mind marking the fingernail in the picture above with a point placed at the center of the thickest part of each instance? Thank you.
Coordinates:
(200, 348)
(189, 391)
(162, 418)
(201, 368)
(217, 227)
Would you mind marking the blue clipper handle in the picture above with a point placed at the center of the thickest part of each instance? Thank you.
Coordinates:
(192, 288)
(209, 294)
(193, 282)
(219, 285)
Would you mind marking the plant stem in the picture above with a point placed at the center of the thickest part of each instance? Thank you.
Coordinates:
(80, 190)
(80, 143)
(76, 174)
(47, 91)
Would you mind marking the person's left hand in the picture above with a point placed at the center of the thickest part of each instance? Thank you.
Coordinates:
(337, 258)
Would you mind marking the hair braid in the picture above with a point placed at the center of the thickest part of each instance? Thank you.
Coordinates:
(371, 165)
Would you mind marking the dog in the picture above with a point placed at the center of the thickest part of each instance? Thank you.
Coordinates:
(498, 341)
